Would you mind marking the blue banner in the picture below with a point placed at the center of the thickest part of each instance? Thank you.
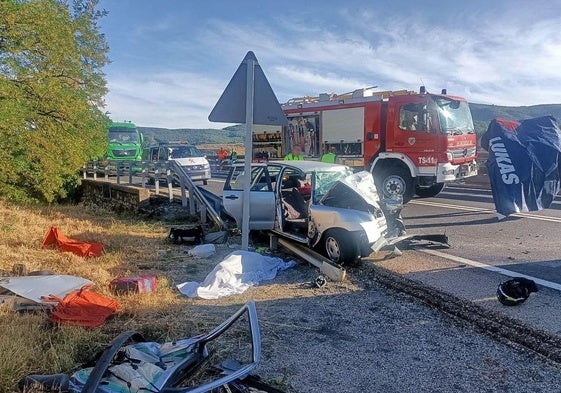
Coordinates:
(523, 163)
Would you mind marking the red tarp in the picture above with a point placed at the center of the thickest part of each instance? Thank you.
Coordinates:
(64, 243)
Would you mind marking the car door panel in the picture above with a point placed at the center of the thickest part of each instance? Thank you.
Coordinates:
(261, 199)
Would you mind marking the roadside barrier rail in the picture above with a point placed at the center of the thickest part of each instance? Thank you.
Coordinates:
(144, 173)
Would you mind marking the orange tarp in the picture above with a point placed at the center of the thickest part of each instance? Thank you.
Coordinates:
(82, 308)
(55, 236)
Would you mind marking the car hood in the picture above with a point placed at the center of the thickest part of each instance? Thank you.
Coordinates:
(361, 183)
(188, 161)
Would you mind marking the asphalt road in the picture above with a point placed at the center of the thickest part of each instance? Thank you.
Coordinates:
(527, 243)
(484, 252)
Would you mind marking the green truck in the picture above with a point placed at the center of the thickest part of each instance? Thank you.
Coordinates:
(125, 142)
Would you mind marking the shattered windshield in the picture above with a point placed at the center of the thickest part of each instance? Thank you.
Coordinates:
(184, 152)
(323, 181)
(454, 116)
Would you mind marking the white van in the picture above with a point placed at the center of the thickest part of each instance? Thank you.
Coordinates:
(188, 156)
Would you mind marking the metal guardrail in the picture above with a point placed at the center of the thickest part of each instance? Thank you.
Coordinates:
(170, 171)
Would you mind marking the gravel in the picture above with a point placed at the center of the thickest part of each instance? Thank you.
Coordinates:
(373, 334)
(366, 339)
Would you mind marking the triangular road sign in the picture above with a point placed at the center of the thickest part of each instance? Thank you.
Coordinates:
(231, 106)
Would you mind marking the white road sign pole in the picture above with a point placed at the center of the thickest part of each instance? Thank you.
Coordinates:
(248, 151)
(261, 107)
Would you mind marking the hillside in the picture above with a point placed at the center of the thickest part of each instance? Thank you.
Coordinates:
(227, 135)
(482, 115)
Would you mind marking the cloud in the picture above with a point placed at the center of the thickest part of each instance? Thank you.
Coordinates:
(324, 82)
(490, 56)
(167, 99)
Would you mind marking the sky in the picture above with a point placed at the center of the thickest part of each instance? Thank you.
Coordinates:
(171, 59)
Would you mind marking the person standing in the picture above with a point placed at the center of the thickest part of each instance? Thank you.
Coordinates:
(295, 154)
(330, 156)
(222, 154)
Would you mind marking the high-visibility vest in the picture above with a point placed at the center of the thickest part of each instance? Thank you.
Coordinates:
(292, 157)
(329, 157)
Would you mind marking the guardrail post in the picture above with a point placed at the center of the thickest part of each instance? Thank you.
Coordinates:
(157, 179)
(85, 171)
(203, 213)
(143, 174)
(170, 182)
(95, 170)
(119, 168)
(192, 207)
(183, 193)
(131, 167)
(106, 171)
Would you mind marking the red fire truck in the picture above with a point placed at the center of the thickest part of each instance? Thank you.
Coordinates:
(412, 143)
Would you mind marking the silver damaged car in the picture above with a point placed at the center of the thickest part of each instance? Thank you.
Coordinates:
(325, 206)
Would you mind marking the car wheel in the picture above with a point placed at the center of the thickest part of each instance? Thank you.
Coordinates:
(429, 192)
(339, 246)
(392, 181)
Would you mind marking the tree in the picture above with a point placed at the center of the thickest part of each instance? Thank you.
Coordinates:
(51, 95)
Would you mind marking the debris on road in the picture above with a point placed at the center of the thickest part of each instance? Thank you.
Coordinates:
(320, 281)
(515, 291)
(328, 268)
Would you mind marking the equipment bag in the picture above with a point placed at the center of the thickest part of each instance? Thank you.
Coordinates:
(140, 284)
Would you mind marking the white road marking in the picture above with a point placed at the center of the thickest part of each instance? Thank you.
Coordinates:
(496, 269)
(486, 211)
(464, 188)
(452, 206)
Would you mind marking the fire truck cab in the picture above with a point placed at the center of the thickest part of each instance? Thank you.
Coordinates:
(412, 143)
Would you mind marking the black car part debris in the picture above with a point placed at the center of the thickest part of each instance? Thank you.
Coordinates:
(320, 281)
(515, 291)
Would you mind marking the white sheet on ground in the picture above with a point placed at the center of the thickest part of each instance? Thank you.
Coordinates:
(35, 287)
(237, 272)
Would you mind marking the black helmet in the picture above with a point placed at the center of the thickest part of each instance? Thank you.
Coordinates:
(515, 291)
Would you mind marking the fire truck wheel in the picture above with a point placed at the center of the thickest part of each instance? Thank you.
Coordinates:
(339, 246)
(391, 181)
(429, 192)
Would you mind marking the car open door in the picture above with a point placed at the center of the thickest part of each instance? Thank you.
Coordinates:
(261, 199)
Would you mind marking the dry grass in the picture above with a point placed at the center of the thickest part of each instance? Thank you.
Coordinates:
(28, 344)
(214, 147)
